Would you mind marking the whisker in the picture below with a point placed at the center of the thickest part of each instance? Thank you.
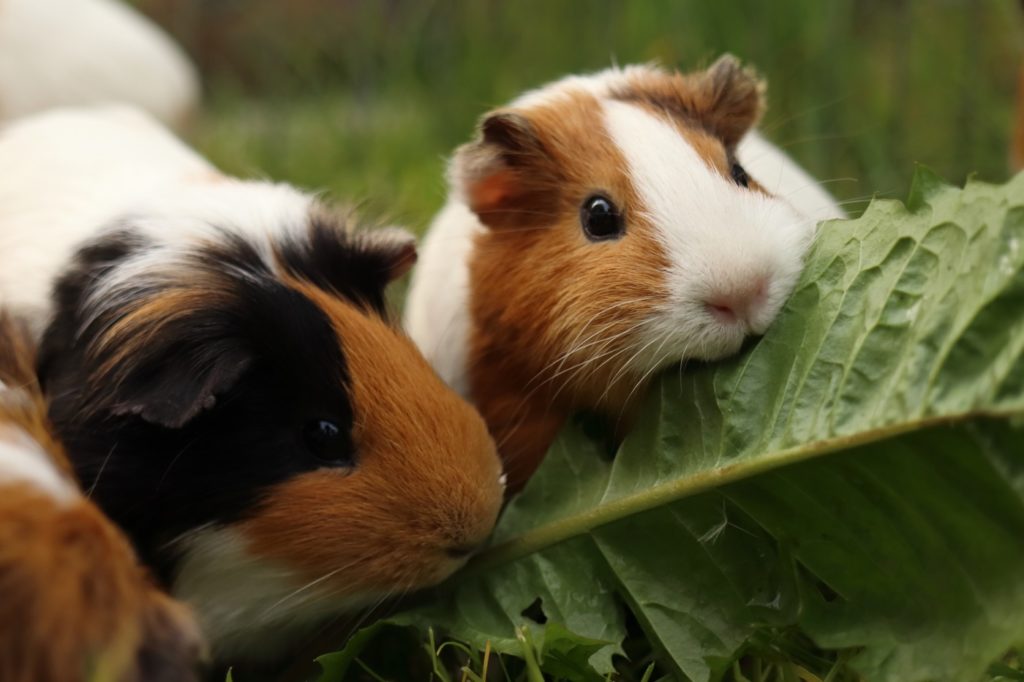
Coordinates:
(311, 584)
(103, 467)
(626, 365)
(649, 373)
(792, 142)
(174, 461)
(778, 123)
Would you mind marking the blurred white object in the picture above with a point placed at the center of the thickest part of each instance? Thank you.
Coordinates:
(70, 52)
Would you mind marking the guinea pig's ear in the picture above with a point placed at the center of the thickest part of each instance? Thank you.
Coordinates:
(391, 249)
(171, 387)
(729, 99)
(165, 356)
(356, 264)
(505, 176)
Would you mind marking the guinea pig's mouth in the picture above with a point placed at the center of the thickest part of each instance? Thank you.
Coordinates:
(723, 334)
(462, 552)
(724, 346)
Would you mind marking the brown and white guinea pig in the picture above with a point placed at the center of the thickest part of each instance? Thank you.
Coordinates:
(599, 229)
(75, 604)
(223, 372)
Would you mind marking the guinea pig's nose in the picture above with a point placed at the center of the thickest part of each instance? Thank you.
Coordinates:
(738, 304)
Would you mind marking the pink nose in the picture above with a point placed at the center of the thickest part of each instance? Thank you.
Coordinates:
(738, 303)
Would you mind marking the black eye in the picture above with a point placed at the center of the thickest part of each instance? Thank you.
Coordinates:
(740, 175)
(327, 442)
(600, 219)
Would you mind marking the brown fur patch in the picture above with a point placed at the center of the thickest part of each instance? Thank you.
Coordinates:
(17, 362)
(727, 100)
(74, 603)
(22, 407)
(540, 353)
(143, 323)
(425, 480)
(508, 173)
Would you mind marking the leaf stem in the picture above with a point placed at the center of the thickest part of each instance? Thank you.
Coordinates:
(549, 534)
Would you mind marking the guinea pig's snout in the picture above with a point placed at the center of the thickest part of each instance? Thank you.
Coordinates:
(742, 304)
(466, 539)
(470, 518)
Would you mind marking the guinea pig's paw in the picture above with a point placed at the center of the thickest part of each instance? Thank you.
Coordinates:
(74, 603)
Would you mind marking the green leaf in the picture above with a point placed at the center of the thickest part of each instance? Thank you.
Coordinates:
(335, 666)
(924, 184)
(566, 655)
(1001, 671)
(858, 473)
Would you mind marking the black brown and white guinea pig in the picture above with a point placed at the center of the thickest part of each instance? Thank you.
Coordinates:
(75, 604)
(224, 375)
(599, 229)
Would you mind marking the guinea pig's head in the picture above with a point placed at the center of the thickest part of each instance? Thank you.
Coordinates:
(622, 233)
(238, 400)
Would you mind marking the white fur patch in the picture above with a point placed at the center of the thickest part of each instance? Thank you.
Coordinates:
(68, 174)
(190, 217)
(64, 175)
(437, 311)
(600, 84)
(22, 460)
(777, 173)
(719, 237)
(247, 605)
(64, 52)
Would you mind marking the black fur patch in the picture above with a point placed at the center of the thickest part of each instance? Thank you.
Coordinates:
(355, 266)
(268, 355)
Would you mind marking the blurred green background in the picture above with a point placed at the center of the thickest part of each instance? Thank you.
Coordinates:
(365, 99)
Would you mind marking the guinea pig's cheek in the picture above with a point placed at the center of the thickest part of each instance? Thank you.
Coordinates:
(339, 530)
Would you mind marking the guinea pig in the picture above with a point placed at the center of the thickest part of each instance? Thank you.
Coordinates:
(73, 52)
(75, 604)
(602, 228)
(222, 368)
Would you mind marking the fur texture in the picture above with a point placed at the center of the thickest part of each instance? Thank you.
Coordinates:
(221, 363)
(532, 319)
(75, 604)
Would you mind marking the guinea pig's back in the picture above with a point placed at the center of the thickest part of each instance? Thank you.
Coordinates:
(437, 313)
(64, 175)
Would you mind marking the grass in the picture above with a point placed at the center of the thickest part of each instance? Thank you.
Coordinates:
(365, 100)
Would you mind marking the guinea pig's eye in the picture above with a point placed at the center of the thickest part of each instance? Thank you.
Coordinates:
(601, 219)
(327, 442)
(740, 175)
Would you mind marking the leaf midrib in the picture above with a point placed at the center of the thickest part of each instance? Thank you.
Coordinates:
(609, 511)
